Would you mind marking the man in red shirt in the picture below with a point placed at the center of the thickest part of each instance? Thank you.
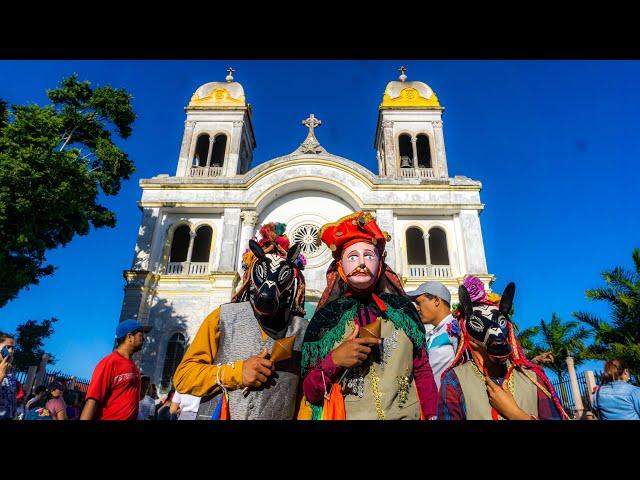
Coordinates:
(114, 391)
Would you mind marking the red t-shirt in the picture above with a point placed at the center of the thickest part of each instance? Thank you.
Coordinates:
(115, 385)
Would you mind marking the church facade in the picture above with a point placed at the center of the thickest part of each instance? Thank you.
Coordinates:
(197, 223)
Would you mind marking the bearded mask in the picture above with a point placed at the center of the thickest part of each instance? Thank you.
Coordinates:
(488, 324)
(274, 280)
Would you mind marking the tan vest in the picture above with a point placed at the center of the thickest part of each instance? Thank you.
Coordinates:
(477, 400)
(393, 378)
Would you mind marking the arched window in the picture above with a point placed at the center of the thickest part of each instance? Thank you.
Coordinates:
(202, 244)
(202, 150)
(219, 147)
(175, 351)
(180, 244)
(424, 153)
(416, 254)
(406, 151)
(438, 247)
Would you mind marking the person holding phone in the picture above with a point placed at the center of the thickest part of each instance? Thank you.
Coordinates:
(8, 382)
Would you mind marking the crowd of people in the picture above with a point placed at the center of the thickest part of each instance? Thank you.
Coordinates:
(370, 351)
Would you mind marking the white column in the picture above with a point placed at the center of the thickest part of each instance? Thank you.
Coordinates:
(575, 390)
(427, 250)
(192, 236)
(231, 162)
(389, 149)
(473, 244)
(212, 140)
(384, 219)
(440, 163)
(591, 384)
(461, 259)
(184, 162)
(146, 230)
(230, 236)
(415, 151)
(249, 220)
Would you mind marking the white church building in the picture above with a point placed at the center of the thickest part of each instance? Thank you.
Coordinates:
(197, 223)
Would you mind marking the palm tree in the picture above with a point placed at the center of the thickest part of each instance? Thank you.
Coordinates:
(526, 341)
(619, 337)
(561, 338)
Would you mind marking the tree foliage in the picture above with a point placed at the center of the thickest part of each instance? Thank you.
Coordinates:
(561, 338)
(30, 338)
(619, 336)
(54, 162)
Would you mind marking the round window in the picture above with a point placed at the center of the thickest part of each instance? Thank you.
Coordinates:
(308, 236)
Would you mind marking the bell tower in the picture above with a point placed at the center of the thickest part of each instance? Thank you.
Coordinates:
(409, 140)
(218, 138)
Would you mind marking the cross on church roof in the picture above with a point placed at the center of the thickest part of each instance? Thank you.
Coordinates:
(230, 74)
(312, 122)
(311, 143)
(402, 70)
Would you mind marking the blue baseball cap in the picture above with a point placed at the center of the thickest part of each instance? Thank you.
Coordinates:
(130, 326)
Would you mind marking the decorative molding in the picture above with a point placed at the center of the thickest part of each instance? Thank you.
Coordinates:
(249, 217)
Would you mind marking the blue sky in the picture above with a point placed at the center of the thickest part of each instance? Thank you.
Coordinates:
(554, 143)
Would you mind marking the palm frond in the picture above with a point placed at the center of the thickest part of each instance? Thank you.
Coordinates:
(592, 320)
(636, 259)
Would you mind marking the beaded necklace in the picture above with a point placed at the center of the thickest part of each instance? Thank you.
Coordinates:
(509, 380)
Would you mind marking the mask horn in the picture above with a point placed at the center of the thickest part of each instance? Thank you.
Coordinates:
(294, 251)
(465, 302)
(506, 302)
(257, 249)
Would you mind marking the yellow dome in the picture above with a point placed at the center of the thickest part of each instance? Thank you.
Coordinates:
(218, 94)
(409, 94)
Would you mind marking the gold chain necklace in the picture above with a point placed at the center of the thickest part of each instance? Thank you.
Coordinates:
(376, 392)
(510, 381)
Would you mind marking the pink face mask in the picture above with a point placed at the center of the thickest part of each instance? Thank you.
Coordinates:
(360, 264)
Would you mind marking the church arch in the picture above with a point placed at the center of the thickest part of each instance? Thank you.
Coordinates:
(416, 251)
(218, 153)
(202, 244)
(180, 240)
(423, 150)
(405, 151)
(438, 250)
(175, 351)
(201, 151)
(322, 184)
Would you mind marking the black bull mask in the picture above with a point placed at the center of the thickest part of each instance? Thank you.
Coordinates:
(274, 282)
(488, 324)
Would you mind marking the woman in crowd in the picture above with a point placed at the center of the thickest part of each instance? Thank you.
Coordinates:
(616, 399)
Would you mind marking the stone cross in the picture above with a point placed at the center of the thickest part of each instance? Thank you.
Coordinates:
(230, 74)
(311, 144)
(312, 122)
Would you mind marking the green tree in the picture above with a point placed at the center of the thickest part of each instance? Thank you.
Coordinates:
(54, 162)
(562, 339)
(620, 336)
(30, 338)
(526, 339)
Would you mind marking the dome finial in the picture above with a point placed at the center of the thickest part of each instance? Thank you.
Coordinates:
(230, 75)
(311, 143)
(402, 70)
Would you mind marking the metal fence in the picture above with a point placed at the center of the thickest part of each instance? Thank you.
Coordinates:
(72, 382)
(565, 394)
